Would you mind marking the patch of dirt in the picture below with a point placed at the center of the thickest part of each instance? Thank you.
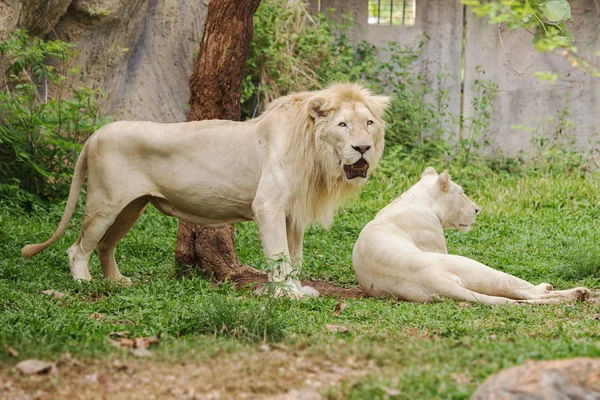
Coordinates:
(269, 374)
(255, 278)
(327, 289)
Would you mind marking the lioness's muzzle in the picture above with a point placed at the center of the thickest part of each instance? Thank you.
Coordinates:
(358, 169)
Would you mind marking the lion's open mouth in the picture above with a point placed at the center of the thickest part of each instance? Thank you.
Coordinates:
(358, 169)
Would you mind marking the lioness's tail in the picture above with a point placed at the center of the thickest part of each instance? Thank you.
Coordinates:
(78, 179)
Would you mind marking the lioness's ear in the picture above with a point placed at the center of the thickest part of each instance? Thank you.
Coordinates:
(443, 181)
(429, 171)
(316, 109)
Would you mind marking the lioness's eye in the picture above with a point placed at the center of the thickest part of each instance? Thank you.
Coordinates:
(369, 122)
(342, 124)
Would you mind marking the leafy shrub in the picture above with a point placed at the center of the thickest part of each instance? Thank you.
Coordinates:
(40, 130)
(474, 129)
(555, 150)
(417, 118)
(292, 50)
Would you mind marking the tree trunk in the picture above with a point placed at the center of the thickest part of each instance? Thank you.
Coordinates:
(215, 89)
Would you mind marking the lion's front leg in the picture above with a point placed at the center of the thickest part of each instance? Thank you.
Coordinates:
(270, 220)
(295, 237)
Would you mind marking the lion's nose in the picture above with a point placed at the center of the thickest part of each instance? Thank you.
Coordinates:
(477, 210)
(361, 149)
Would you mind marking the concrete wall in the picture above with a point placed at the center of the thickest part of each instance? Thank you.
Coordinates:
(521, 100)
(526, 100)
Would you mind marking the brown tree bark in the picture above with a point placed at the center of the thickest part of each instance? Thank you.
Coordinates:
(215, 90)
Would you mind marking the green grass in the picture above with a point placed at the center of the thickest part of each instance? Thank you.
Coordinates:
(540, 228)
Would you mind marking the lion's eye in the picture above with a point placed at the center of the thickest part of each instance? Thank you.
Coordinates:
(369, 122)
(342, 124)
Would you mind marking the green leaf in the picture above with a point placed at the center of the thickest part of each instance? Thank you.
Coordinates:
(568, 12)
(556, 10)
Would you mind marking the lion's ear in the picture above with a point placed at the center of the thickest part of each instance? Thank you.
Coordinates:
(316, 109)
(381, 103)
(429, 171)
(443, 181)
(378, 104)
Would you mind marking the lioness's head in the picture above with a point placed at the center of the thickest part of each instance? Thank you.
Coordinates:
(455, 209)
(349, 128)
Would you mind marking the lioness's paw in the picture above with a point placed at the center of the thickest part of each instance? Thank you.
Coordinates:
(310, 291)
(546, 286)
(582, 294)
(543, 288)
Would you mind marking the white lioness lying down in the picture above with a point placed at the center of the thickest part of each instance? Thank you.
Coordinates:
(285, 169)
(402, 253)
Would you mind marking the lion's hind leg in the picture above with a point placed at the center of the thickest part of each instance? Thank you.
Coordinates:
(117, 231)
(93, 228)
(78, 262)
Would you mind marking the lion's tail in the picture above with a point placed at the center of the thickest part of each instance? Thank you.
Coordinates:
(78, 179)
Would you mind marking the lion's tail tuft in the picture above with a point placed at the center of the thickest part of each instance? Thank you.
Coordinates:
(32, 249)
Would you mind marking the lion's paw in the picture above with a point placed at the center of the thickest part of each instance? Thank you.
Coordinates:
(122, 280)
(288, 291)
(310, 291)
(82, 276)
(278, 290)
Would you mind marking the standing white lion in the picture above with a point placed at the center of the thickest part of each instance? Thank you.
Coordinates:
(285, 169)
(402, 253)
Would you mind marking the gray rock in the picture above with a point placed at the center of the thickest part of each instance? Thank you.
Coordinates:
(140, 53)
(573, 379)
(38, 17)
(32, 366)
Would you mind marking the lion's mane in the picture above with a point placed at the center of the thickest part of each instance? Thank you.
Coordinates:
(318, 184)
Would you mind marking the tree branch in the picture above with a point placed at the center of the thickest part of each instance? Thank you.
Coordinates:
(506, 52)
